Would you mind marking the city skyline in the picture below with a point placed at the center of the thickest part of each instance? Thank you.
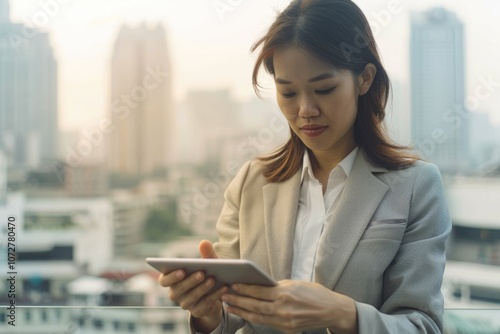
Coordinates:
(83, 223)
(199, 38)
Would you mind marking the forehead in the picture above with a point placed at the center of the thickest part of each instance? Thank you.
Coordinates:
(294, 62)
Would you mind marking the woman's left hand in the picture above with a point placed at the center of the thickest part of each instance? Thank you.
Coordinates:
(294, 306)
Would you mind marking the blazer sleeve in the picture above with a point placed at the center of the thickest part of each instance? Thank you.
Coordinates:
(413, 302)
(228, 227)
(228, 246)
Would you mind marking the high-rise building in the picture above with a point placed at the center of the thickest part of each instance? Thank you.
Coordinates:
(4, 11)
(28, 95)
(439, 117)
(142, 108)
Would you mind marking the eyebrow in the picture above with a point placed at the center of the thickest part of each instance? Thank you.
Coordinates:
(316, 78)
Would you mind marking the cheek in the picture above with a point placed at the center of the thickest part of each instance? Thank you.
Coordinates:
(345, 107)
(287, 109)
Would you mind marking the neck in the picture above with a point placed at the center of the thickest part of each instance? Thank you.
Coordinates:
(325, 161)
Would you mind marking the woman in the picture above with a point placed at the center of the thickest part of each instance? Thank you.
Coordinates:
(351, 225)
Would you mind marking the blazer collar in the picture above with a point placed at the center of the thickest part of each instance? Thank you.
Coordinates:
(361, 196)
(280, 213)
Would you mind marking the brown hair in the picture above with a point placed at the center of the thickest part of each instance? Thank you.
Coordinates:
(337, 32)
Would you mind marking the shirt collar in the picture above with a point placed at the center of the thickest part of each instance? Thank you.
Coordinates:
(346, 163)
(306, 166)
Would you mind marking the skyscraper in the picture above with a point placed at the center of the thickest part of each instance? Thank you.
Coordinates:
(142, 105)
(4, 11)
(439, 118)
(28, 95)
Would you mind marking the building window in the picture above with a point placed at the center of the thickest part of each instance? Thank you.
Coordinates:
(131, 327)
(168, 326)
(35, 221)
(98, 324)
(59, 253)
(37, 285)
(2, 318)
(43, 315)
(27, 316)
(116, 325)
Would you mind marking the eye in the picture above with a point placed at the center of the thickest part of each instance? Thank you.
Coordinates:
(326, 91)
(288, 95)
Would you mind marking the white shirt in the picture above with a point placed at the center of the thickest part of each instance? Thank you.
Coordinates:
(314, 211)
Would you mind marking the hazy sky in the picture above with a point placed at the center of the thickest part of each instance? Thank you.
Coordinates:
(210, 49)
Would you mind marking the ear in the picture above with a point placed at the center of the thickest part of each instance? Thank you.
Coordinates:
(365, 79)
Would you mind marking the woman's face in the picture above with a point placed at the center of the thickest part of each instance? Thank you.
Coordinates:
(318, 100)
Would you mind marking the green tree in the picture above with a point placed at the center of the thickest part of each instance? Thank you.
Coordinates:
(162, 224)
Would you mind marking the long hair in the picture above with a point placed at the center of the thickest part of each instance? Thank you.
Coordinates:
(337, 32)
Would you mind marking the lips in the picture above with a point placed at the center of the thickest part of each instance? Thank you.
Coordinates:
(313, 130)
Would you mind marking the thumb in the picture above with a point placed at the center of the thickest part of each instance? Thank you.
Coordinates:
(207, 251)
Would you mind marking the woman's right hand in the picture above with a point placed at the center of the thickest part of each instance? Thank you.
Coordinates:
(191, 293)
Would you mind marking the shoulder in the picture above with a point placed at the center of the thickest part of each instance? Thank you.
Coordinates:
(252, 170)
(420, 172)
(425, 174)
(428, 181)
(426, 168)
(422, 182)
(249, 175)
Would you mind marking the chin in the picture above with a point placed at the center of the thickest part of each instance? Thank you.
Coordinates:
(317, 147)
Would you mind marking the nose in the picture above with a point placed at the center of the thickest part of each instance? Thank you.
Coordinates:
(308, 107)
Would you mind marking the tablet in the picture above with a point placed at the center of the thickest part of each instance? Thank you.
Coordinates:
(224, 271)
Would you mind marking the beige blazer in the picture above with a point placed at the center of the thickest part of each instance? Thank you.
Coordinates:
(384, 246)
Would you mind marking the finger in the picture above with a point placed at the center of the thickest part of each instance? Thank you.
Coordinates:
(209, 302)
(247, 315)
(171, 278)
(197, 293)
(255, 291)
(178, 289)
(271, 321)
(250, 304)
(207, 250)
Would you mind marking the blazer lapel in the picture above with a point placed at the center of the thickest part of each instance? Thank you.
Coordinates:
(281, 202)
(360, 198)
